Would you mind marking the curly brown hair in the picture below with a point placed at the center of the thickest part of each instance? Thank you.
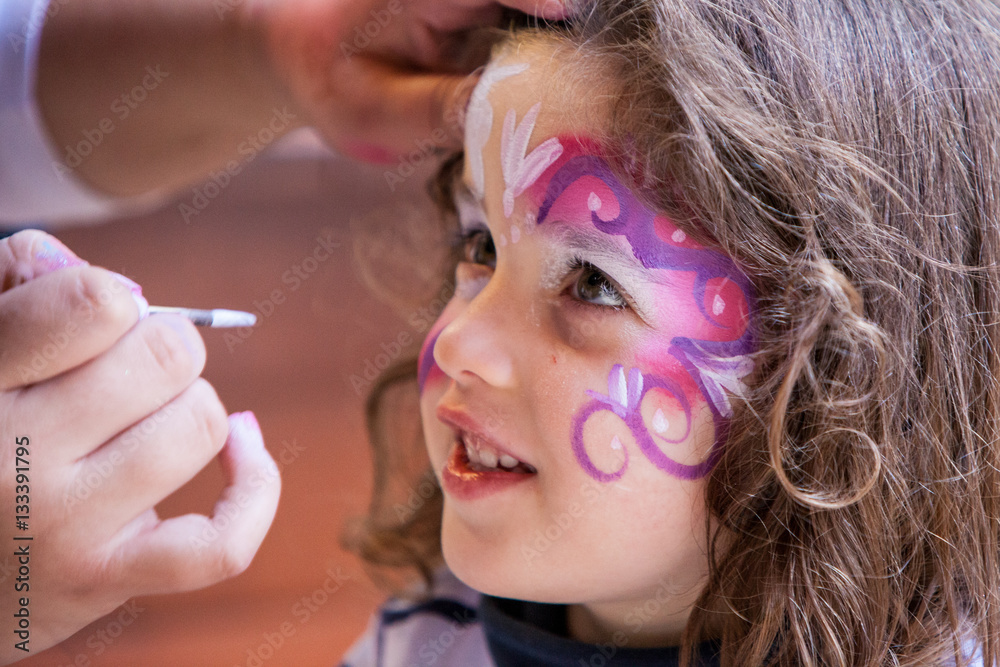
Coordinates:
(846, 155)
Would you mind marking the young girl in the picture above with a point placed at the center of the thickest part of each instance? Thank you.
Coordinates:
(717, 384)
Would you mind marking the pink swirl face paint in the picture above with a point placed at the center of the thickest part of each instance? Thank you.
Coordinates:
(706, 300)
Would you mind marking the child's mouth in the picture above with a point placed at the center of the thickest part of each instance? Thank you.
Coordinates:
(472, 473)
(481, 457)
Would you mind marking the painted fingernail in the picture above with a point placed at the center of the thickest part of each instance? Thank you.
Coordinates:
(251, 420)
(136, 291)
(245, 426)
(53, 255)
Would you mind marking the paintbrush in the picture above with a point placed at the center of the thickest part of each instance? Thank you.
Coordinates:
(216, 317)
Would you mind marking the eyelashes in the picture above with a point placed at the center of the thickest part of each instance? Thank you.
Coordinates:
(593, 286)
(476, 246)
(586, 284)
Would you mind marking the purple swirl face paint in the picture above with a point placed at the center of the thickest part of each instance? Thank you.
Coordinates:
(706, 310)
(427, 368)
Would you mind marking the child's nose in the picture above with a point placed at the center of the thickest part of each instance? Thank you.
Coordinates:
(478, 342)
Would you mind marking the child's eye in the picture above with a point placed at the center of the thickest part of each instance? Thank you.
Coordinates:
(478, 247)
(593, 286)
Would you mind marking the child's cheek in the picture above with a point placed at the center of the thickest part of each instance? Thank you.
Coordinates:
(656, 359)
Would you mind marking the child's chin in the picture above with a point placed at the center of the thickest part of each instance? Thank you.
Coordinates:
(482, 566)
(493, 572)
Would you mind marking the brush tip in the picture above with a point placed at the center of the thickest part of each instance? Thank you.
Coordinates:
(232, 318)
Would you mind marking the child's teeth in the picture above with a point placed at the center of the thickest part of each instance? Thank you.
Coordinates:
(473, 455)
(488, 458)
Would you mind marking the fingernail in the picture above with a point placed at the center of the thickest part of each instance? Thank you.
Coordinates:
(136, 291)
(244, 425)
(251, 420)
(53, 255)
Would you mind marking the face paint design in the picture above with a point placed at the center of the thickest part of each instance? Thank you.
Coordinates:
(625, 399)
(478, 125)
(479, 122)
(720, 294)
(522, 169)
(427, 368)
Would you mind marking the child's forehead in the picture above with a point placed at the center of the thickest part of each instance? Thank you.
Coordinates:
(543, 73)
(521, 77)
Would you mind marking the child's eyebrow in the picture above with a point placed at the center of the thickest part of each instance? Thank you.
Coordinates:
(596, 244)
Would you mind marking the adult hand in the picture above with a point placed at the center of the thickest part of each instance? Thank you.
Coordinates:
(102, 416)
(382, 77)
(178, 90)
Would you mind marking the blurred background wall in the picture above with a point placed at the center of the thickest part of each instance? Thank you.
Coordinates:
(251, 247)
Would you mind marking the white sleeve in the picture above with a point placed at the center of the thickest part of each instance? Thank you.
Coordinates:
(34, 183)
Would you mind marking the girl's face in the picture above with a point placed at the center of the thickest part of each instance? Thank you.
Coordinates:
(576, 389)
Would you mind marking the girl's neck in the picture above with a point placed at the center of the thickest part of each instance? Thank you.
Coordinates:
(637, 624)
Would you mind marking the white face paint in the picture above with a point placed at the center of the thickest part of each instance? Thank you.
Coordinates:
(479, 122)
(520, 168)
